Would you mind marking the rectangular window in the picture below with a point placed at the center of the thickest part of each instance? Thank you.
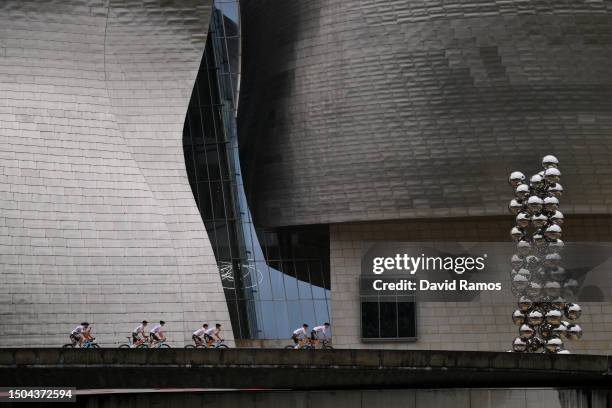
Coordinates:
(388, 318)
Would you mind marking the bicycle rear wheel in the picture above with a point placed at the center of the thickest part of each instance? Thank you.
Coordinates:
(222, 346)
(142, 346)
(96, 346)
(289, 347)
(69, 345)
(327, 347)
(190, 346)
(164, 345)
(124, 346)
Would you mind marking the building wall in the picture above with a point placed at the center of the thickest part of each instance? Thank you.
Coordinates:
(378, 109)
(484, 325)
(98, 221)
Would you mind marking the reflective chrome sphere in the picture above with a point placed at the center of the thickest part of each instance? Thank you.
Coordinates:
(552, 260)
(532, 261)
(539, 220)
(557, 218)
(553, 345)
(574, 332)
(551, 204)
(526, 332)
(516, 261)
(573, 311)
(518, 318)
(522, 192)
(549, 161)
(536, 181)
(552, 175)
(553, 317)
(555, 190)
(519, 345)
(558, 303)
(535, 318)
(555, 246)
(534, 345)
(539, 241)
(534, 204)
(522, 220)
(516, 234)
(523, 248)
(524, 304)
(534, 290)
(560, 330)
(515, 206)
(520, 282)
(516, 178)
(546, 331)
(553, 232)
(552, 289)
(524, 272)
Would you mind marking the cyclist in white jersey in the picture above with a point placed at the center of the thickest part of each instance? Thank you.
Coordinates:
(80, 333)
(200, 334)
(214, 333)
(139, 332)
(157, 332)
(300, 334)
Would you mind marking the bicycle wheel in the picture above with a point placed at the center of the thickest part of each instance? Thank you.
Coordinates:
(201, 346)
(307, 347)
(190, 346)
(164, 345)
(94, 345)
(124, 346)
(222, 346)
(142, 346)
(289, 347)
(327, 347)
(69, 345)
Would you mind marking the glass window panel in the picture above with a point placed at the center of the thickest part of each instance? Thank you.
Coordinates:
(264, 286)
(269, 322)
(388, 319)
(304, 290)
(321, 311)
(276, 279)
(308, 313)
(369, 320)
(283, 329)
(291, 287)
(406, 312)
(295, 314)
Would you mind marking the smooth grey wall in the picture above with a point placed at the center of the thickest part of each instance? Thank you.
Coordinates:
(98, 221)
(389, 109)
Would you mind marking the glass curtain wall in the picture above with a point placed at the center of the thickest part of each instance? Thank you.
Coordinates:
(274, 286)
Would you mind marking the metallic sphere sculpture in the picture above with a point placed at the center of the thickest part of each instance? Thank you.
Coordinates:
(545, 293)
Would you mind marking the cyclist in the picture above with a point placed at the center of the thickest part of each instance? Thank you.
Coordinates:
(213, 334)
(199, 334)
(157, 333)
(299, 335)
(138, 334)
(80, 333)
(319, 333)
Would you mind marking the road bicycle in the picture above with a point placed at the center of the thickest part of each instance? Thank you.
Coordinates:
(140, 344)
(157, 344)
(86, 344)
(305, 344)
(208, 344)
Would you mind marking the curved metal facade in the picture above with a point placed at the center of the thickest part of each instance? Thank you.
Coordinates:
(98, 220)
(381, 109)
